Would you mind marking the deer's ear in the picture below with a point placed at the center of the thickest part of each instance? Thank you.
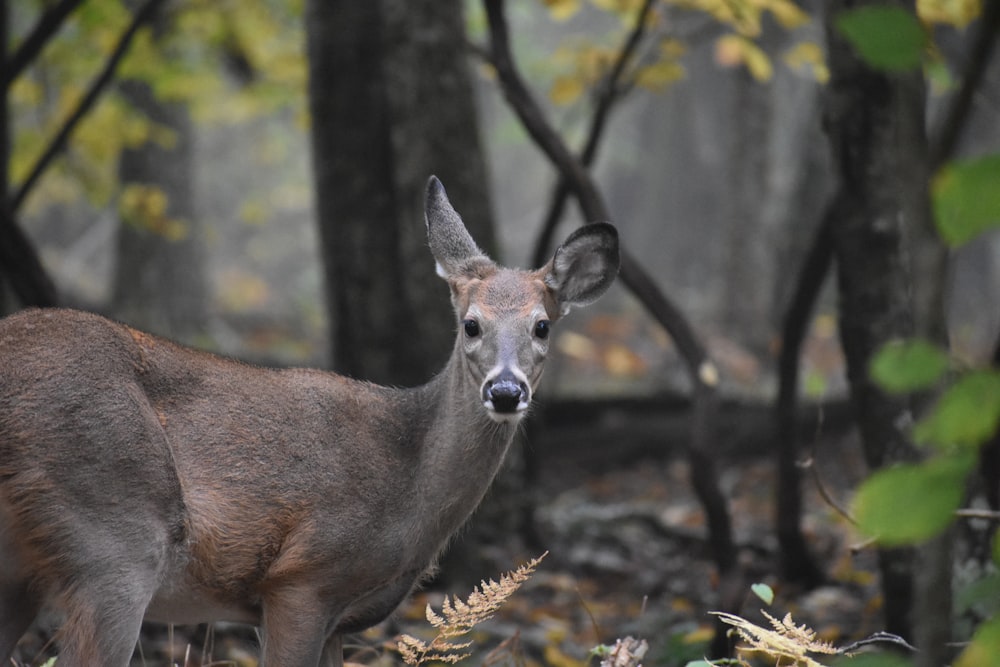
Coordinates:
(584, 266)
(453, 248)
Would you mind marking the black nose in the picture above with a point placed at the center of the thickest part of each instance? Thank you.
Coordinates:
(505, 393)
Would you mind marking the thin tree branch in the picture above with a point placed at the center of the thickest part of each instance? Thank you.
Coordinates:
(945, 139)
(32, 45)
(523, 103)
(533, 119)
(797, 561)
(703, 373)
(608, 93)
(97, 87)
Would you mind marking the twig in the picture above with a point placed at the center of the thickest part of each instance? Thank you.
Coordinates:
(703, 372)
(946, 138)
(810, 465)
(608, 92)
(32, 45)
(989, 515)
(878, 638)
(58, 143)
(593, 621)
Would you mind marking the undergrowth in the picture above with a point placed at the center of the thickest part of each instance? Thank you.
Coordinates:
(458, 618)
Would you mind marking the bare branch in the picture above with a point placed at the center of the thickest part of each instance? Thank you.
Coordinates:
(608, 92)
(703, 373)
(97, 87)
(527, 109)
(946, 138)
(32, 45)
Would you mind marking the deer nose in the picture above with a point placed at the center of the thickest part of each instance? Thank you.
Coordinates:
(506, 394)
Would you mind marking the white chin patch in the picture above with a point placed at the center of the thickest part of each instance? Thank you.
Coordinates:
(506, 417)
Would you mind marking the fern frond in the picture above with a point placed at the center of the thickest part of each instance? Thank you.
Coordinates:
(801, 634)
(433, 618)
(458, 617)
(785, 641)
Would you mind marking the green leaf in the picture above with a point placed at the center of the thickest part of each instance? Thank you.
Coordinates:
(764, 592)
(887, 38)
(913, 502)
(902, 367)
(984, 649)
(966, 415)
(967, 198)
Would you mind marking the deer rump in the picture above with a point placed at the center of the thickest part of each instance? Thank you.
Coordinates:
(143, 479)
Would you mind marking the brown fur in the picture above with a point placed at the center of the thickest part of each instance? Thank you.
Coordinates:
(139, 478)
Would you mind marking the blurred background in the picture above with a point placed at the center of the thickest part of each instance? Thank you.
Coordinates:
(246, 176)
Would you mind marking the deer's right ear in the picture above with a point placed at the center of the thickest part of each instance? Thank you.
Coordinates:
(453, 248)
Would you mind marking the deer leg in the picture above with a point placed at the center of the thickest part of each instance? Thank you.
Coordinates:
(17, 611)
(333, 651)
(293, 628)
(103, 617)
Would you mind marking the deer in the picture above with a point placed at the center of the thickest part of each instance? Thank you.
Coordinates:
(141, 480)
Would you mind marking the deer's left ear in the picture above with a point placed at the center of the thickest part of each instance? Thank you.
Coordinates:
(584, 266)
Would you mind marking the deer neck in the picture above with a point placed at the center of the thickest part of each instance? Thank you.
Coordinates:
(462, 450)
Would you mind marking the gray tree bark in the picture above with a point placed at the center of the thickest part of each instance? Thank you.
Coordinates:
(392, 103)
(159, 281)
(890, 270)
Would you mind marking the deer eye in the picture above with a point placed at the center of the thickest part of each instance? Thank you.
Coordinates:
(471, 328)
(542, 329)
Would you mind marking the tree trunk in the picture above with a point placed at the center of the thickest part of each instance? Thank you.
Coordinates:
(5, 217)
(20, 267)
(159, 279)
(392, 103)
(890, 267)
(391, 100)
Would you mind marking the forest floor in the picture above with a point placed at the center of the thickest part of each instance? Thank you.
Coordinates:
(628, 555)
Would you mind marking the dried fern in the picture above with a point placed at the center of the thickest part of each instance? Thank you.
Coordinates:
(786, 641)
(458, 617)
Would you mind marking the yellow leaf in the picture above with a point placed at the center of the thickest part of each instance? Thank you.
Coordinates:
(562, 10)
(758, 63)
(26, 91)
(565, 90)
(617, 6)
(733, 50)
(729, 50)
(592, 62)
(958, 13)
(660, 75)
(620, 360)
(701, 635)
(808, 56)
(556, 658)
(672, 49)
(577, 346)
(145, 207)
(788, 14)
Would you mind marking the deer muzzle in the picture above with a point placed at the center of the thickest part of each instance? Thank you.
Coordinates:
(506, 395)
